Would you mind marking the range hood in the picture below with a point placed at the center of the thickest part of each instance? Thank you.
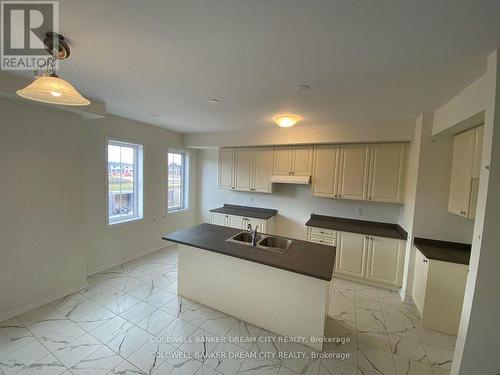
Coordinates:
(299, 180)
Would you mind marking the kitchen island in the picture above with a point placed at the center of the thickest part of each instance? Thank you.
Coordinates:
(283, 292)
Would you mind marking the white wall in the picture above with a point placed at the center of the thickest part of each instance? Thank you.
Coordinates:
(52, 211)
(295, 203)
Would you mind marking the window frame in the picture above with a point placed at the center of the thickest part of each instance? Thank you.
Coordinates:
(185, 181)
(138, 181)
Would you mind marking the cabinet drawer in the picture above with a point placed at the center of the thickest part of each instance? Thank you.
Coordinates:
(322, 232)
(322, 240)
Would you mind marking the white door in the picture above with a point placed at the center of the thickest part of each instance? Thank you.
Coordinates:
(385, 261)
(226, 168)
(237, 222)
(461, 173)
(219, 219)
(255, 222)
(262, 169)
(243, 169)
(387, 165)
(302, 160)
(420, 280)
(353, 182)
(282, 164)
(325, 176)
(351, 254)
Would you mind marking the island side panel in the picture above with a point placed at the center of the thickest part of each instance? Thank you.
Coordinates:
(280, 301)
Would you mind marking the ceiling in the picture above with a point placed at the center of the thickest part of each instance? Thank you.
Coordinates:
(365, 61)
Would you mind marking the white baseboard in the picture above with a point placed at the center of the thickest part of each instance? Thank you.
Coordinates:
(20, 310)
(128, 259)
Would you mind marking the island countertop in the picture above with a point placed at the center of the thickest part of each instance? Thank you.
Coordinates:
(306, 258)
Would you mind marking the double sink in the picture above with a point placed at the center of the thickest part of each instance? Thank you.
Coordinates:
(271, 243)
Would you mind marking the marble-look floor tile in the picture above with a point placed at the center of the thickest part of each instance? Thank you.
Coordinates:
(336, 367)
(156, 322)
(230, 359)
(125, 284)
(126, 368)
(409, 349)
(62, 337)
(76, 307)
(439, 357)
(269, 346)
(179, 364)
(77, 350)
(342, 311)
(375, 360)
(163, 281)
(107, 332)
(373, 319)
(138, 312)
(121, 303)
(243, 334)
(196, 314)
(150, 356)
(129, 341)
(340, 329)
(399, 312)
(218, 324)
(176, 333)
(345, 352)
(176, 306)
(440, 371)
(95, 318)
(159, 298)
(22, 358)
(434, 338)
(200, 344)
(367, 292)
(402, 329)
(13, 336)
(48, 365)
(255, 366)
(406, 366)
(374, 338)
(304, 363)
(96, 289)
(99, 363)
(205, 370)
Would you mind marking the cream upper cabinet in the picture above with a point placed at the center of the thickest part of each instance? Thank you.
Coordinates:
(385, 260)
(226, 168)
(262, 169)
(387, 166)
(351, 254)
(243, 169)
(354, 163)
(326, 168)
(293, 160)
(466, 165)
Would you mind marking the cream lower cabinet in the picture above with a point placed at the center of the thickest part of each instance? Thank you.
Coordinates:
(438, 292)
(377, 260)
(241, 222)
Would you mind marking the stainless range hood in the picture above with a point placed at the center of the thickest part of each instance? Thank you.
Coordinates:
(298, 180)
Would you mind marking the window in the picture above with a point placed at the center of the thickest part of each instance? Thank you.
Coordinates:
(177, 185)
(124, 163)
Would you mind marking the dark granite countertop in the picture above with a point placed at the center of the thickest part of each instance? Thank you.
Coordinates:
(358, 226)
(302, 257)
(254, 212)
(453, 252)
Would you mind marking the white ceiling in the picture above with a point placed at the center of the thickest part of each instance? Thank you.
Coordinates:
(364, 60)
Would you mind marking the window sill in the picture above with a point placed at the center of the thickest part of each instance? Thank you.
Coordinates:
(176, 212)
(122, 222)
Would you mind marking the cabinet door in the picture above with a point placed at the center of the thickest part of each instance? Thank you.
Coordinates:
(420, 280)
(219, 219)
(461, 173)
(255, 222)
(237, 222)
(262, 169)
(353, 182)
(351, 254)
(226, 168)
(243, 169)
(325, 176)
(282, 164)
(387, 165)
(478, 151)
(385, 261)
(302, 160)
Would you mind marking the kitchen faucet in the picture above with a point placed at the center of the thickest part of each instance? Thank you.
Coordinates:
(253, 232)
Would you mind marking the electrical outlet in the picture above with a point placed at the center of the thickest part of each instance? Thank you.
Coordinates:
(33, 279)
(360, 211)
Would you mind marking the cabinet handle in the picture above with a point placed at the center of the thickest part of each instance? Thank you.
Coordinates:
(289, 172)
(425, 260)
(462, 212)
(293, 173)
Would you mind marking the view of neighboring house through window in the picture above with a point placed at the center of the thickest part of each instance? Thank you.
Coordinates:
(124, 181)
(176, 181)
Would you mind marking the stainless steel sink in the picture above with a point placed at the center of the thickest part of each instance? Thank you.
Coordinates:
(275, 243)
(271, 243)
(244, 237)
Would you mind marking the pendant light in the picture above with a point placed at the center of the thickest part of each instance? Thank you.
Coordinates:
(47, 86)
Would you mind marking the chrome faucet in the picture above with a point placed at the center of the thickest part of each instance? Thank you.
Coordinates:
(253, 232)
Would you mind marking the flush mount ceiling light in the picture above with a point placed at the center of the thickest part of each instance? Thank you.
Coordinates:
(214, 101)
(47, 86)
(286, 121)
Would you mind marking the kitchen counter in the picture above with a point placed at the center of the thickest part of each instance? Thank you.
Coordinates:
(357, 226)
(306, 258)
(452, 252)
(253, 212)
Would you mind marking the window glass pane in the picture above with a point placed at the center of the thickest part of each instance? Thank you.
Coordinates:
(176, 186)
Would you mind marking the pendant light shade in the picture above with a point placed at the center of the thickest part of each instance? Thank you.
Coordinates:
(53, 90)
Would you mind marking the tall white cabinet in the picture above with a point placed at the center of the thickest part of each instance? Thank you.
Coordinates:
(465, 172)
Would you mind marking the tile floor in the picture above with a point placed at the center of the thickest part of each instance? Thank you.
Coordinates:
(130, 312)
